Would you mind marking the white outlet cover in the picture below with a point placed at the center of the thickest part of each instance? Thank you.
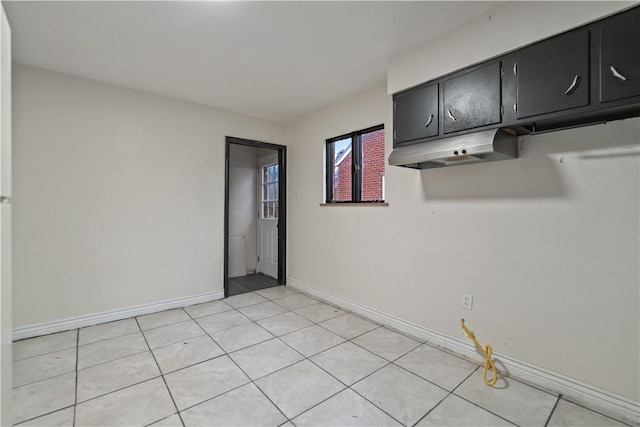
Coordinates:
(467, 301)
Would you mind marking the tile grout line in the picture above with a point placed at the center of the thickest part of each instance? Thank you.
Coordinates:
(287, 419)
(350, 387)
(449, 393)
(112, 360)
(420, 376)
(553, 410)
(483, 408)
(77, 348)
(228, 354)
(113, 391)
(534, 386)
(49, 334)
(118, 359)
(597, 412)
(304, 357)
(376, 406)
(76, 382)
(161, 374)
(73, 405)
(347, 387)
(279, 338)
(119, 389)
(195, 319)
(108, 339)
(225, 329)
(251, 381)
(167, 324)
(319, 403)
(43, 415)
(392, 362)
(348, 339)
(43, 354)
(44, 379)
(292, 364)
(421, 342)
(475, 404)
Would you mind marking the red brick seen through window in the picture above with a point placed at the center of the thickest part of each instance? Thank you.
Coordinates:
(372, 170)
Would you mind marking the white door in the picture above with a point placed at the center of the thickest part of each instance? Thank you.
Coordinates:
(5, 220)
(268, 213)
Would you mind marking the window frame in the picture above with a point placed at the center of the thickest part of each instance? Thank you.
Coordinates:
(264, 184)
(356, 166)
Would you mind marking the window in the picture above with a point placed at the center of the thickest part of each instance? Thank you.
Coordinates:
(355, 167)
(270, 191)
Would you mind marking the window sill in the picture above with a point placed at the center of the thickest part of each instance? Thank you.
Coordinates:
(376, 204)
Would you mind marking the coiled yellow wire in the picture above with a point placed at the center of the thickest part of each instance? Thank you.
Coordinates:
(487, 351)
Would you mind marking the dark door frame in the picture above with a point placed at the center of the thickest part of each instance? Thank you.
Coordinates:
(282, 203)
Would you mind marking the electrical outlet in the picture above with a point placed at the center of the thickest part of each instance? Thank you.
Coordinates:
(467, 301)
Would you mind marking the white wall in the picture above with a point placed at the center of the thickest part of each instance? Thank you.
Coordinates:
(266, 152)
(501, 29)
(547, 244)
(242, 199)
(6, 355)
(118, 196)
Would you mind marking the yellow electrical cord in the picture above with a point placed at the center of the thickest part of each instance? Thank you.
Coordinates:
(488, 363)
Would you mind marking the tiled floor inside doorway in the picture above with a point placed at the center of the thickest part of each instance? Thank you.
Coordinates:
(271, 357)
(250, 283)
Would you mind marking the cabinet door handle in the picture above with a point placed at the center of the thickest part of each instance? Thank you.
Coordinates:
(574, 85)
(451, 115)
(429, 120)
(617, 74)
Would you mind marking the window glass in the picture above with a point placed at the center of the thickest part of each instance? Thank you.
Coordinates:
(355, 167)
(372, 166)
(270, 191)
(342, 152)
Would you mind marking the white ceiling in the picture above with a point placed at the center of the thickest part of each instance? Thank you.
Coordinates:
(276, 60)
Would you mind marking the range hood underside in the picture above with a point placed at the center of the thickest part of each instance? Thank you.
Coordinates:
(486, 146)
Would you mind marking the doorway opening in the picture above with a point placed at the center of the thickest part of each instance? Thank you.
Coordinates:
(255, 216)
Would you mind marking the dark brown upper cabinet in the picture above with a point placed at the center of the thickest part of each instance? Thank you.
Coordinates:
(587, 75)
(473, 99)
(553, 75)
(415, 114)
(619, 56)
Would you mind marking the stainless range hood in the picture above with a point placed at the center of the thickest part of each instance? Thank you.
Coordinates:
(486, 146)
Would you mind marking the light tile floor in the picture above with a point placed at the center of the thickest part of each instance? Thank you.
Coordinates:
(271, 357)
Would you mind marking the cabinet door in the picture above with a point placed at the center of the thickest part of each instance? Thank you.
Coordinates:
(553, 75)
(620, 57)
(415, 114)
(472, 100)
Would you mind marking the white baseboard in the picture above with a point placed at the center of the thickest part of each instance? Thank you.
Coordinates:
(606, 402)
(109, 316)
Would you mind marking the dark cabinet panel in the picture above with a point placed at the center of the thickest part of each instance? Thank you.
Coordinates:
(586, 75)
(473, 99)
(415, 114)
(620, 56)
(553, 75)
